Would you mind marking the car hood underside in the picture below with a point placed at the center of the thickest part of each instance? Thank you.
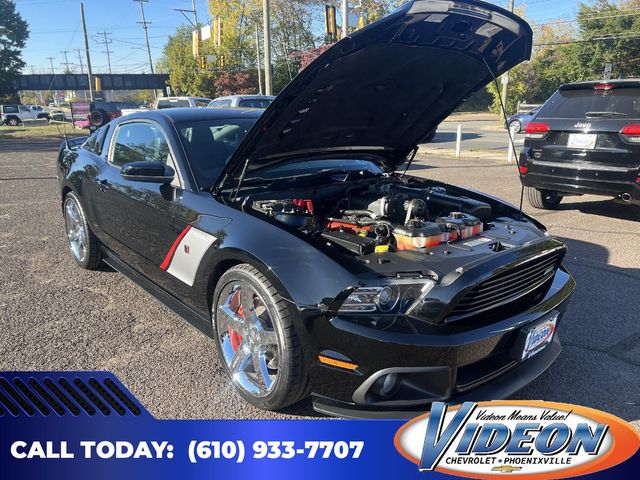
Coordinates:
(385, 87)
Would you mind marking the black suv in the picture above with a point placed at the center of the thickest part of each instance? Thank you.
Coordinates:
(584, 140)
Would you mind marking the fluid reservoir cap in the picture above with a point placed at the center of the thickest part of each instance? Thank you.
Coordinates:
(457, 215)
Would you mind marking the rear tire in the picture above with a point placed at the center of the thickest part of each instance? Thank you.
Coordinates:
(543, 199)
(84, 246)
(13, 122)
(264, 364)
(516, 126)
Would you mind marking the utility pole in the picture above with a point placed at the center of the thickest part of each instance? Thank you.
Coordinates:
(258, 61)
(66, 62)
(345, 18)
(79, 53)
(145, 24)
(86, 51)
(505, 79)
(266, 27)
(105, 40)
(195, 13)
(53, 72)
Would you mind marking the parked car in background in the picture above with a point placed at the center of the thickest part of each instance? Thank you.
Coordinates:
(14, 114)
(57, 115)
(584, 139)
(242, 101)
(103, 112)
(184, 102)
(519, 121)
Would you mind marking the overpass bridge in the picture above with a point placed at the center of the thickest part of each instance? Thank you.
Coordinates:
(77, 81)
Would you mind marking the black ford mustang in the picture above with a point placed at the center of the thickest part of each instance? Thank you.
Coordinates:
(289, 239)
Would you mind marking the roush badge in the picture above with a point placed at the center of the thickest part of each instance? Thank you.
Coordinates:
(516, 438)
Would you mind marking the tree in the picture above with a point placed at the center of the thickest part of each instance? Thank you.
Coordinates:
(235, 83)
(604, 33)
(185, 77)
(14, 33)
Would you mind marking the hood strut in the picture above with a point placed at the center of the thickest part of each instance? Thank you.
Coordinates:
(240, 179)
(512, 145)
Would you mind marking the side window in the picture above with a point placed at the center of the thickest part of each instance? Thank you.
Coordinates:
(225, 103)
(23, 109)
(215, 104)
(10, 109)
(138, 142)
(96, 140)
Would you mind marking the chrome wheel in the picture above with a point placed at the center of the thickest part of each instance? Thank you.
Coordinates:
(76, 230)
(247, 339)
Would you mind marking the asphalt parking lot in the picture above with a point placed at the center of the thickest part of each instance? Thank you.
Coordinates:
(56, 316)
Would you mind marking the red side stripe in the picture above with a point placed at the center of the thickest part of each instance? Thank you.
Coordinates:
(167, 260)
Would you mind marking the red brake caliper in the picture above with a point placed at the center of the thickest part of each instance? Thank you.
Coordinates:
(235, 306)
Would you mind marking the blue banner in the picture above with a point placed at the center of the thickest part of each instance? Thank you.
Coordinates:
(88, 425)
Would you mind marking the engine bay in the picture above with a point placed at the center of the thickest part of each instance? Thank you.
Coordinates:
(380, 216)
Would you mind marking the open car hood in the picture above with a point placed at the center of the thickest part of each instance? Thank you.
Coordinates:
(384, 88)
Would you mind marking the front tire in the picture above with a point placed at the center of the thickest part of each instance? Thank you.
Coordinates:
(256, 339)
(543, 199)
(84, 246)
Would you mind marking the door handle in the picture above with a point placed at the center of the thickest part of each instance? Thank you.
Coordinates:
(104, 185)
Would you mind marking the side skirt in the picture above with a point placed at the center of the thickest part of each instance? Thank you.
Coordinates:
(196, 320)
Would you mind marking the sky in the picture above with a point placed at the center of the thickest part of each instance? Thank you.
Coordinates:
(55, 26)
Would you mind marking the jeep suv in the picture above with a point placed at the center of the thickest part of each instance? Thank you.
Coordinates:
(14, 114)
(584, 140)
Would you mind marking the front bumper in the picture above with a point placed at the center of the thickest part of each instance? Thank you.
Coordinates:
(581, 178)
(475, 364)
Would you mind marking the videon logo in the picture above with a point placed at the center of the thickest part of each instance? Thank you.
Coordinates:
(526, 439)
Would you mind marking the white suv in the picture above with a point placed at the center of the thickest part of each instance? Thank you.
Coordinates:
(242, 101)
(15, 114)
(177, 102)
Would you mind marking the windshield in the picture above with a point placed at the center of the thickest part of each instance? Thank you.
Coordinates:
(255, 102)
(590, 103)
(209, 145)
(173, 103)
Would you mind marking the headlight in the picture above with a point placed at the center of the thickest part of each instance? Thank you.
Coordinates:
(393, 298)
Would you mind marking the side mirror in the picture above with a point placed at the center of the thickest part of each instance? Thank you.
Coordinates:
(152, 172)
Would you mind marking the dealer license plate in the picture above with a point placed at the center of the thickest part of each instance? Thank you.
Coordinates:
(539, 336)
(583, 141)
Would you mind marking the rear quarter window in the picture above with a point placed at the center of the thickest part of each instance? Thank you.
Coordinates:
(577, 103)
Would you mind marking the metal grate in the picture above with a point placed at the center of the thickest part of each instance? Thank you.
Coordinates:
(73, 393)
(505, 287)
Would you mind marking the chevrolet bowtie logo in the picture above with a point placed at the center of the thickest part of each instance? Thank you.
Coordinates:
(506, 469)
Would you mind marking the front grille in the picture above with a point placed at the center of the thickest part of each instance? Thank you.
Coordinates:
(506, 287)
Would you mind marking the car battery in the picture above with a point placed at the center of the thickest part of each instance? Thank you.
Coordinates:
(459, 225)
(417, 234)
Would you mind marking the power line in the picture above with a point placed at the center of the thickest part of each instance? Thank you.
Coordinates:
(589, 40)
(588, 17)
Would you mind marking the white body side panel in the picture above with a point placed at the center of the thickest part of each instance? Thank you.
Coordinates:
(188, 255)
